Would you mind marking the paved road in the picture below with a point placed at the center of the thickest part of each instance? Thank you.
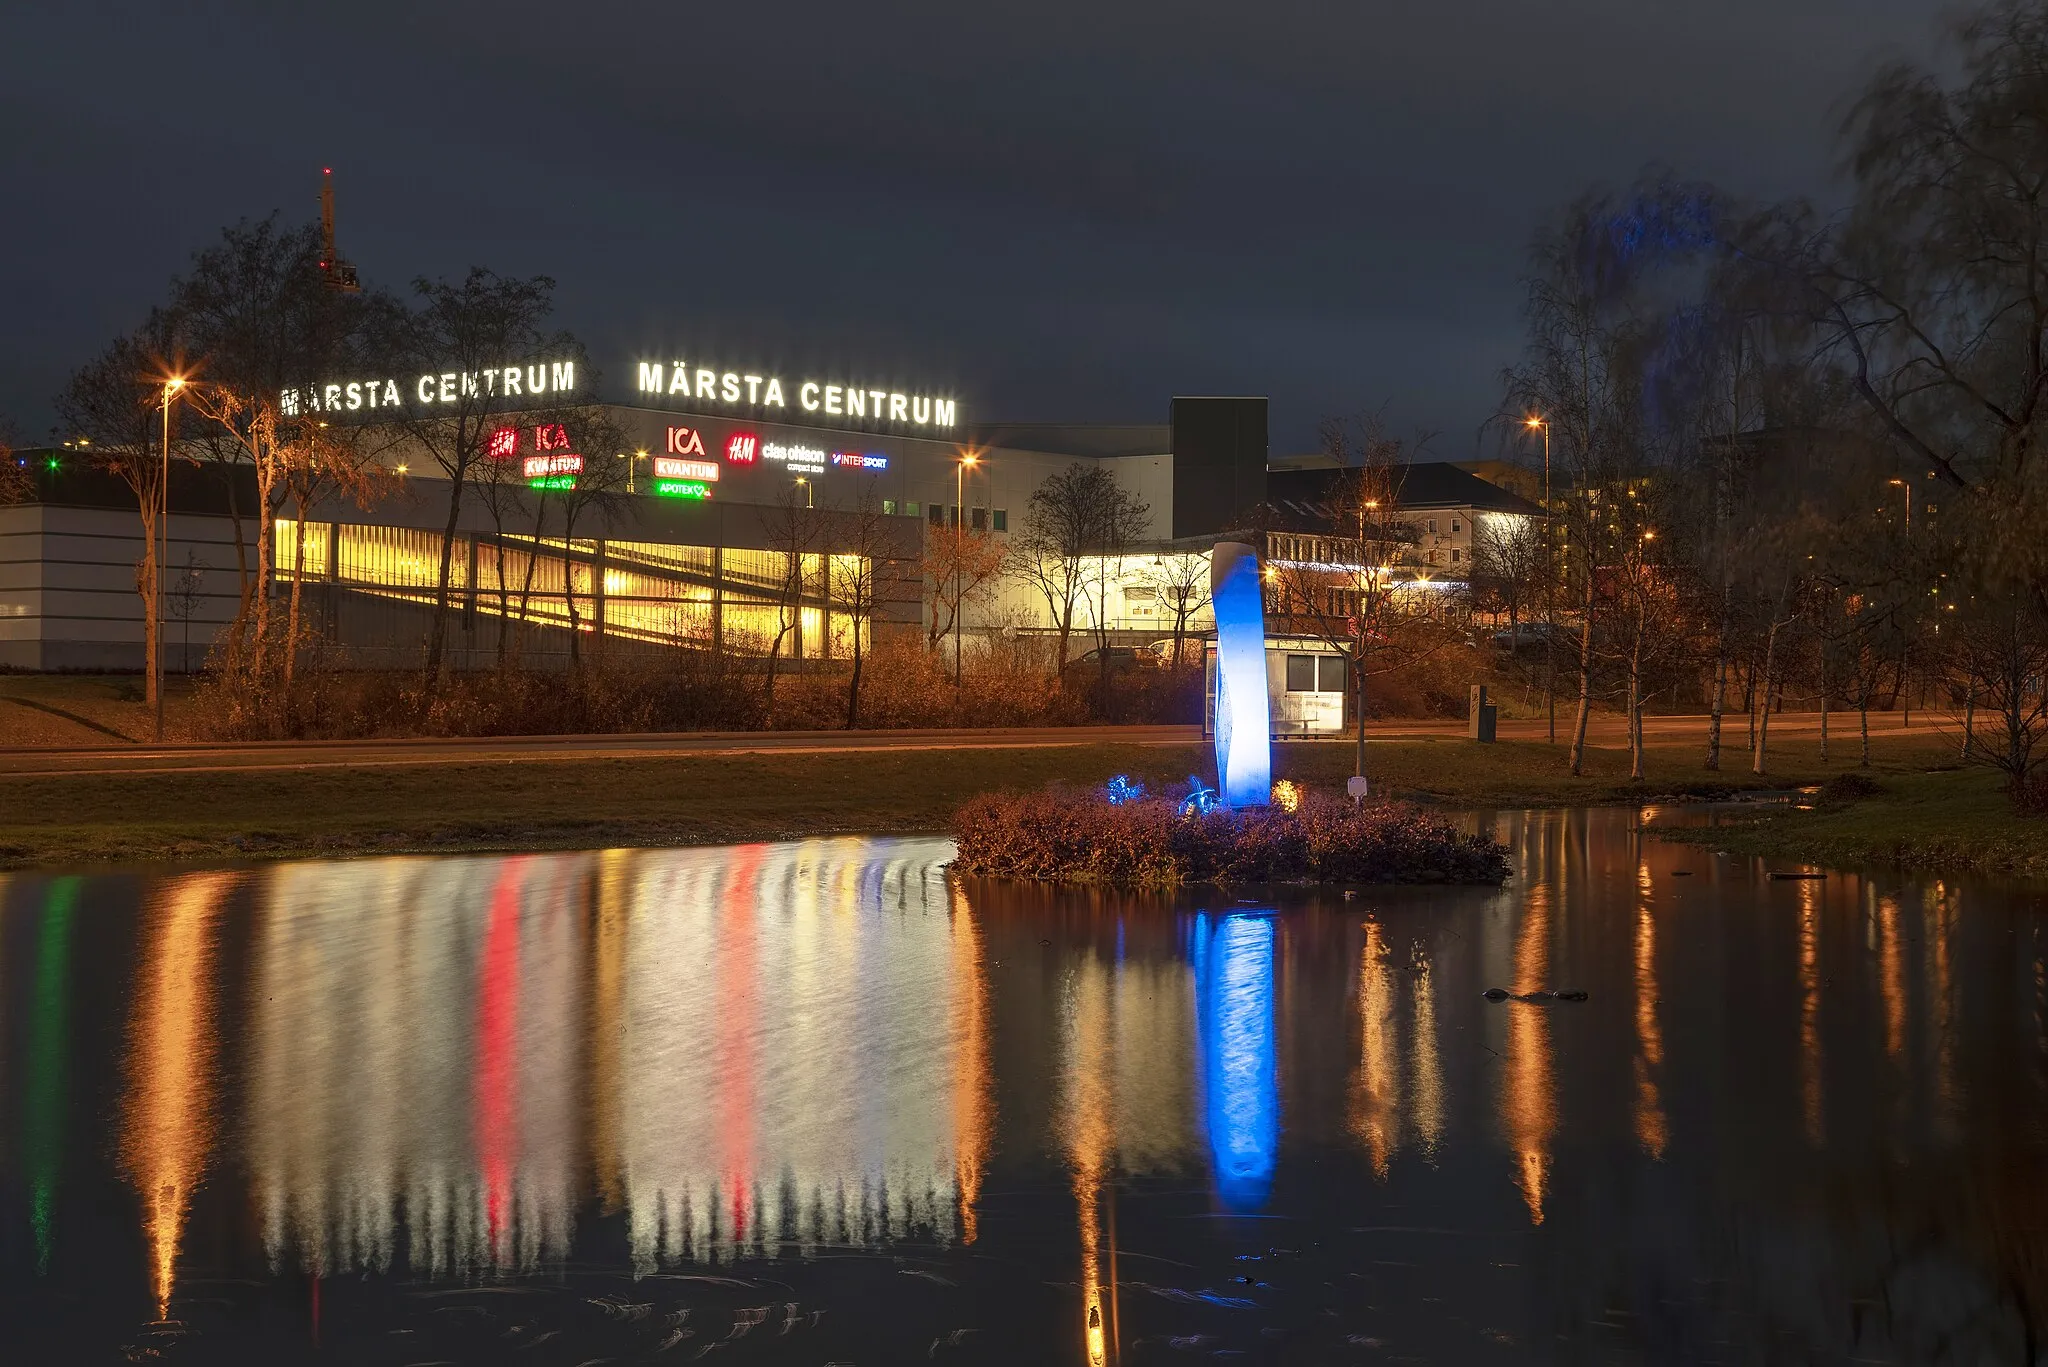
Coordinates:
(27, 762)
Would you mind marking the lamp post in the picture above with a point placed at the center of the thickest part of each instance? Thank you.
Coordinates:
(804, 483)
(156, 606)
(1537, 422)
(968, 460)
(1908, 487)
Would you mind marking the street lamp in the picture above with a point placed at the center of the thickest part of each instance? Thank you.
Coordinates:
(1537, 422)
(171, 388)
(968, 460)
(1907, 486)
(805, 484)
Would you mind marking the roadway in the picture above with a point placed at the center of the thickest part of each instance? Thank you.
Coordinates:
(259, 756)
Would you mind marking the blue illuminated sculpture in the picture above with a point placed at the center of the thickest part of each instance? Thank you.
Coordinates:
(1244, 761)
(1121, 790)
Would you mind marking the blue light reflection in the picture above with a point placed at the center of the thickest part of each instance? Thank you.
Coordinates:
(1233, 959)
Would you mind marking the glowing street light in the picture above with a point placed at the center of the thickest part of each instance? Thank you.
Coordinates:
(1903, 484)
(172, 386)
(968, 461)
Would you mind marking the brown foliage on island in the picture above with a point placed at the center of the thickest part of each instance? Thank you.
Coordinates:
(1060, 836)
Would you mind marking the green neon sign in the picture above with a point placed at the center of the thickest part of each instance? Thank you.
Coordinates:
(681, 488)
(552, 482)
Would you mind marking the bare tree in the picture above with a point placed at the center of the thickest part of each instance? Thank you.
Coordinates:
(16, 482)
(473, 335)
(256, 308)
(859, 566)
(793, 531)
(1508, 567)
(115, 402)
(963, 569)
(596, 494)
(1351, 579)
(1180, 582)
(1077, 515)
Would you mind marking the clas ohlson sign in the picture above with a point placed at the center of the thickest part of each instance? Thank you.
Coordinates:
(792, 398)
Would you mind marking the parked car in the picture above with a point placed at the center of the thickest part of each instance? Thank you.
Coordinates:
(1533, 637)
(1120, 658)
(1160, 653)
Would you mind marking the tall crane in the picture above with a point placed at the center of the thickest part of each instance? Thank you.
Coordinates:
(339, 274)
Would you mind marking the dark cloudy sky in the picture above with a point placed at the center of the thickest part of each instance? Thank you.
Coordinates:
(1064, 210)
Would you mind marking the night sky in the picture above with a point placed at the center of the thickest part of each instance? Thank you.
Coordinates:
(1066, 211)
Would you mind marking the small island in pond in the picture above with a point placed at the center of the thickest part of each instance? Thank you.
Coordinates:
(1065, 836)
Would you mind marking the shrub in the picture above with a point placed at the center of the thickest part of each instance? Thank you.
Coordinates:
(1061, 836)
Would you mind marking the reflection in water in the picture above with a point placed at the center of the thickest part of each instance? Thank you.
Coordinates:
(168, 1129)
(796, 1045)
(1650, 1132)
(571, 1071)
(1376, 1092)
(1936, 911)
(1526, 1106)
(49, 1083)
(1233, 963)
(1085, 1108)
(1811, 1098)
(762, 1046)
(973, 1085)
(1429, 1082)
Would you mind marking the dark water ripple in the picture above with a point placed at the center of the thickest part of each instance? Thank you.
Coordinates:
(818, 1103)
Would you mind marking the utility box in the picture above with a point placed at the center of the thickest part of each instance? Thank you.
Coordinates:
(1480, 724)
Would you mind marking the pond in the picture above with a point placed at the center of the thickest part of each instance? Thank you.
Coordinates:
(817, 1102)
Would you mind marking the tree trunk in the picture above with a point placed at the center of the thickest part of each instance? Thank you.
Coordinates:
(147, 574)
(1969, 714)
(1358, 676)
(239, 626)
(1635, 717)
(569, 584)
(853, 685)
(1585, 678)
(1719, 703)
(291, 642)
(437, 634)
(266, 559)
(1823, 702)
(1863, 721)
(1763, 726)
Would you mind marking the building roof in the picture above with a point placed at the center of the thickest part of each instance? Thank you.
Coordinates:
(1300, 496)
(1098, 440)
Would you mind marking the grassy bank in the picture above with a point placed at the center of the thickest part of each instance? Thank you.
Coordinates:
(597, 802)
(1947, 821)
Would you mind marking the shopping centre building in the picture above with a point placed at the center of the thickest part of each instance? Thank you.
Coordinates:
(689, 544)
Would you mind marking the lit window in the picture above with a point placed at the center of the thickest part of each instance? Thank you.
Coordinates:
(910, 508)
(888, 507)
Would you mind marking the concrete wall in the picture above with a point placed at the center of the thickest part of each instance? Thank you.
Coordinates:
(67, 588)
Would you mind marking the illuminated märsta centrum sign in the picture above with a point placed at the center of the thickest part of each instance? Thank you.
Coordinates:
(793, 398)
(495, 384)
(677, 384)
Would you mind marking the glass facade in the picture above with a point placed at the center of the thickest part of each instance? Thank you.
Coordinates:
(653, 592)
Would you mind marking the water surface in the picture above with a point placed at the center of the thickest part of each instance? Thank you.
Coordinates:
(819, 1102)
